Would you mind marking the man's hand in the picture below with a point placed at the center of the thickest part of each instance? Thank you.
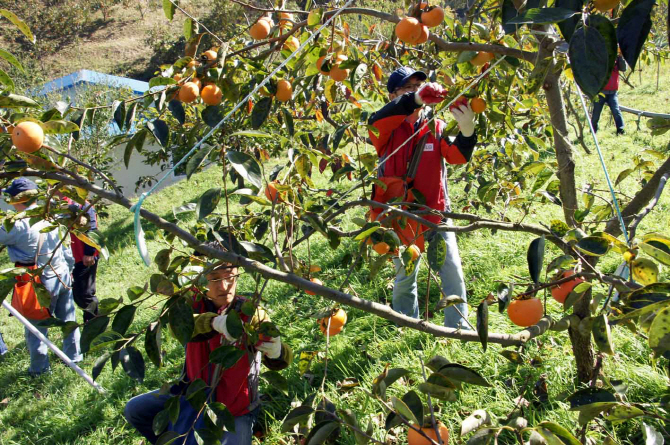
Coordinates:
(271, 348)
(430, 93)
(88, 260)
(219, 325)
(465, 118)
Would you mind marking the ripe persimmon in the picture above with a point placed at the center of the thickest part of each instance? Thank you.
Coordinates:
(319, 63)
(381, 248)
(28, 136)
(211, 94)
(177, 77)
(315, 281)
(337, 322)
(433, 17)
(525, 312)
(423, 38)
(271, 192)
(481, 58)
(561, 292)
(414, 250)
(414, 438)
(197, 82)
(285, 19)
(189, 92)
(478, 105)
(284, 90)
(260, 30)
(408, 30)
(291, 44)
(210, 55)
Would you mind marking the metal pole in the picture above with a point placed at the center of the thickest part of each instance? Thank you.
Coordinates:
(53, 347)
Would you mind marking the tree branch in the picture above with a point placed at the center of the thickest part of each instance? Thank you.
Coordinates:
(380, 310)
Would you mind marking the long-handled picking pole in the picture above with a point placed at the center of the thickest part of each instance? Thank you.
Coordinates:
(53, 347)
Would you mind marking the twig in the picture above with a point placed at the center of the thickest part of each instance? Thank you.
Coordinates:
(430, 406)
(196, 21)
(652, 203)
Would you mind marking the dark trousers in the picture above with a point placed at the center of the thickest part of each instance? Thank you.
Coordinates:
(83, 289)
(612, 100)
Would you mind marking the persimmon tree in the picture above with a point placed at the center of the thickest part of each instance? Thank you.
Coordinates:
(311, 114)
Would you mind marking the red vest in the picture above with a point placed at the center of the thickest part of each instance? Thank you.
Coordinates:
(238, 386)
(613, 84)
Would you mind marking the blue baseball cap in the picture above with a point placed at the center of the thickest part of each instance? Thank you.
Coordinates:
(400, 76)
(20, 185)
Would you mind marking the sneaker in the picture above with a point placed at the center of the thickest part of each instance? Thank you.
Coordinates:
(620, 131)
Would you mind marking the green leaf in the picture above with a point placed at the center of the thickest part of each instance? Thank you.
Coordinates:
(296, 416)
(260, 112)
(169, 9)
(460, 373)
(226, 356)
(119, 113)
(659, 332)
(656, 250)
(602, 334)
(512, 356)
(177, 110)
(589, 60)
(221, 416)
(6, 80)
(644, 271)
(9, 100)
(196, 160)
(483, 323)
(623, 412)
(162, 259)
(252, 134)
(130, 115)
(160, 130)
(542, 16)
(133, 363)
(99, 365)
(161, 81)
(607, 31)
(314, 17)
(437, 391)
(59, 127)
(404, 410)
(234, 324)
(212, 115)
(9, 57)
(152, 343)
(588, 396)
(6, 286)
(369, 229)
(160, 421)
(123, 319)
(437, 252)
(168, 437)
(135, 292)
(415, 405)
(633, 29)
(190, 28)
(246, 166)
(593, 245)
(568, 25)
(276, 381)
(207, 202)
(321, 432)
(288, 121)
(180, 316)
(92, 329)
(535, 258)
(25, 29)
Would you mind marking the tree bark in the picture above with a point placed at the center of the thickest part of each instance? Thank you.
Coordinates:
(581, 343)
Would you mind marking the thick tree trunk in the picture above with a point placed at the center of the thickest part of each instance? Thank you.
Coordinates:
(581, 343)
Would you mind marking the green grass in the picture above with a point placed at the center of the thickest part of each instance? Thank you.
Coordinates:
(62, 409)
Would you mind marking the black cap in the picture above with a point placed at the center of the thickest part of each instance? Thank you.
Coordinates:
(20, 185)
(400, 76)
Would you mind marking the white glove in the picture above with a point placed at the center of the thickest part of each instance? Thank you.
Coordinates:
(465, 118)
(271, 348)
(219, 325)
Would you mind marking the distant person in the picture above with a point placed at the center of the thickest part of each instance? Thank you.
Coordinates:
(85, 261)
(3, 346)
(28, 246)
(237, 387)
(610, 96)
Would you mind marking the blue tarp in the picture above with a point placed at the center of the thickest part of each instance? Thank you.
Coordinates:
(88, 77)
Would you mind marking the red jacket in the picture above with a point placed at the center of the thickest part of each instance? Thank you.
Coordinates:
(80, 248)
(613, 84)
(238, 385)
(430, 179)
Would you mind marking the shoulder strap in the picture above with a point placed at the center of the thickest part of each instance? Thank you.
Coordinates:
(40, 243)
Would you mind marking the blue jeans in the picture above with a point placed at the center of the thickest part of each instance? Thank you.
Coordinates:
(62, 307)
(3, 346)
(141, 410)
(612, 100)
(405, 295)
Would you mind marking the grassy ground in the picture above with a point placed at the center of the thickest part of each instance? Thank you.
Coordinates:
(61, 409)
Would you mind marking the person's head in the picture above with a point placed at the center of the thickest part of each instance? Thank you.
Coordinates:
(403, 80)
(18, 186)
(222, 284)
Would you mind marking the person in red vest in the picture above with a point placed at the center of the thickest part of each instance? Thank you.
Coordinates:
(610, 96)
(237, 387)
(85, 260)
(394, 124)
